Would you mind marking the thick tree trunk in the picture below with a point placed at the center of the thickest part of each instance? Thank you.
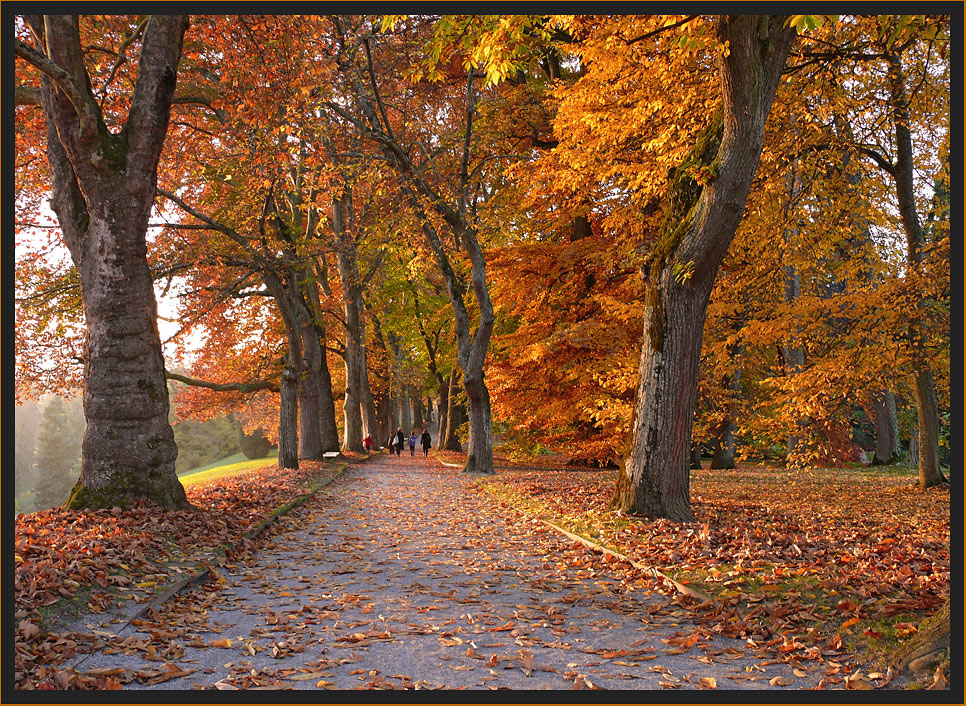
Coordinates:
(287, 298)
(288, 431)
(103, 188)
(319, 365)
(927, 407)
(481, 426)
(700, 224)
(888, 448)
(128, 448)
(310, 404)
(928, 436)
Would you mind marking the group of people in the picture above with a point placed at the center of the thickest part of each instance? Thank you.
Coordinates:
(398, 440)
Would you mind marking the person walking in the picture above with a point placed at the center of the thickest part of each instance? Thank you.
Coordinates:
(367, 443)
(400, 440)
(427, 441)
(412, 443)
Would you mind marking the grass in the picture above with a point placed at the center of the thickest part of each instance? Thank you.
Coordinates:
(226, 461)
(216, 471)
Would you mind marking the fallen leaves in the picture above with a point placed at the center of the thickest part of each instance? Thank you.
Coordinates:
(133, 553)
(773, 546)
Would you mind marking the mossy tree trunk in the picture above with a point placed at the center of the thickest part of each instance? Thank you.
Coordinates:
(103, 187)
(679, 272)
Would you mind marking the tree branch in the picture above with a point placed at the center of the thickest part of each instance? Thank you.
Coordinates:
(80, 99)
(883, 163)
(244, 387)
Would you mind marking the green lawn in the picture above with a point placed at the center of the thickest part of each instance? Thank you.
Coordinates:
(228, 466)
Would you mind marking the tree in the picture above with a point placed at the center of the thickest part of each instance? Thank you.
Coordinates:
(700, 222)
(901, 170)
(103, 189)
(453, 210)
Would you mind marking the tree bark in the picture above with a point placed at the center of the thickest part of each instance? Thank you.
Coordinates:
(352, 302)
(724, 447)
(695, 457)
(103, 188)
(418, 413)
(927, 407)
(318, 365)
(285, 293)
(700, 224)
(310, 393)
(443, 406)
(370, 421)
(888, 448)
(405, 410)
(454, 417)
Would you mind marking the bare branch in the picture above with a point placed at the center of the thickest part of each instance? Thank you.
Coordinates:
(244, 387)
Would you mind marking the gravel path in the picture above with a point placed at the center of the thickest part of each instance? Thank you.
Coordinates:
(402, 575)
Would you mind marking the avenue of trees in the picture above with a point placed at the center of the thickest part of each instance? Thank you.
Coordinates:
(632, 239)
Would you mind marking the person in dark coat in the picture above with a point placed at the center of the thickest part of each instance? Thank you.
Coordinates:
(400, 440)
(427, 442)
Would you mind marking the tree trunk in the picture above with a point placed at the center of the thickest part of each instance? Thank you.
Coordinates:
(888, 449)
(700, 224)
(288, 431)
(286, 296)
(454, 416)
(328, 431)
(103, 187)
(370, 421)
(481, 425)
(405, 411)
(352, 301)
(310, 405)
(128, 448)
(418, 413)
(724, 447)
(695, 457)
(792, 351)
(927, 407)
(442, 405)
